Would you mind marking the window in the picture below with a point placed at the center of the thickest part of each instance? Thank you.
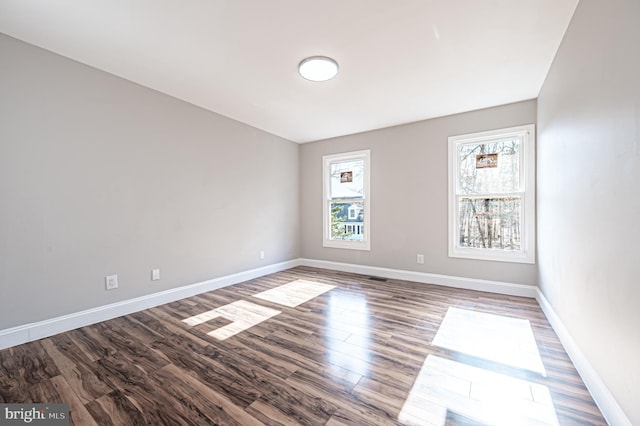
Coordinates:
(492, 195)
(353, 211)
(346, 200)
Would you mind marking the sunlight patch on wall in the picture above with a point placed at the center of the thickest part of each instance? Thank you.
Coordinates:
(492, 337)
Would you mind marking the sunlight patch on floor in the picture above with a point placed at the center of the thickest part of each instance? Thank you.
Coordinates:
(294, 293)
(482, 395)
(243, 314)
(496, 338)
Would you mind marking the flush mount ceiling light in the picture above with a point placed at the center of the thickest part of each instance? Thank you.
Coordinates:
(318, 68)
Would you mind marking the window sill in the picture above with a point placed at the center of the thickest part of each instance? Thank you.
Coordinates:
(492, 255)
(349, 245)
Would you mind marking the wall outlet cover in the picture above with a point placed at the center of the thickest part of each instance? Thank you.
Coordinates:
(111, 282)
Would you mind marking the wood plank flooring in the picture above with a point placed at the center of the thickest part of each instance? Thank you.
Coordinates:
(358, 352)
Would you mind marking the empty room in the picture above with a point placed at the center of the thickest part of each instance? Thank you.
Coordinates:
(415, 212)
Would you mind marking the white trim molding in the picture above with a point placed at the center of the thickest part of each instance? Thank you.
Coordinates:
(41, 329)
(364, 198)
(611, 410)
(525, 191)
(427, 278)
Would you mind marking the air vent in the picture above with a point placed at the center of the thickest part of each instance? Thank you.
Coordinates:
(383, 280)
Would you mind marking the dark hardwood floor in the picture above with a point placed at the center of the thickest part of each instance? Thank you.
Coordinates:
(360, 353)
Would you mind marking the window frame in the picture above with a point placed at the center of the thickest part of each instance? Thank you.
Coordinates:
(327, 160)
(526, 254)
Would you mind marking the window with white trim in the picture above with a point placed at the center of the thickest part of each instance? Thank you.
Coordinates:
(346, 200)
(492, 195)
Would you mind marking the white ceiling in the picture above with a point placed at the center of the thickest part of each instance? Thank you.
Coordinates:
(400, 60)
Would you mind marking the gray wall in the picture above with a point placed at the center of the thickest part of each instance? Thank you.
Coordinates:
(408, 195)
(101, 176)
(589, 191)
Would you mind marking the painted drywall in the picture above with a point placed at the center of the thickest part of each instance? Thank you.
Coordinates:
(589, 191)
(101, 176)
(408, 195)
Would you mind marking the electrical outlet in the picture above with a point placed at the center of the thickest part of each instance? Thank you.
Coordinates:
(261, 254)
(111, 282)
(420, 259)
(155, 274)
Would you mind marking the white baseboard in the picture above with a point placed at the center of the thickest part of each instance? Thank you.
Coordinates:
(41, 329)
(427, 278)
(602, 396)
(611, 411)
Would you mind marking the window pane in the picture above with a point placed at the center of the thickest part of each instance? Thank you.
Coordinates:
(491, 223)
(347, 221)
(490, 167)
(347, 179)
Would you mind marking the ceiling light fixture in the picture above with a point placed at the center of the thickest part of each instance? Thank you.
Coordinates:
(318, 68)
